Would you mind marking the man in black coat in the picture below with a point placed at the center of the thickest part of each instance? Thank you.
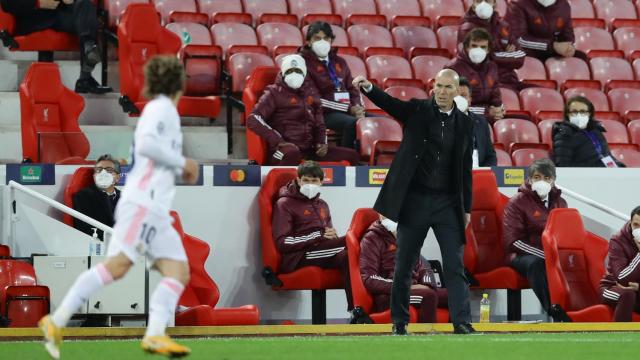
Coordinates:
(428, 186)
(483, 152)
(77, 17)
(98, 201)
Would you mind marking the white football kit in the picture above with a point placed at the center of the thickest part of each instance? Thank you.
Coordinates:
(143, 225)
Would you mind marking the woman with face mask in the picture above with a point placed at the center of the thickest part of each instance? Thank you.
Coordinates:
(525, 218)
(578, 141)
(619, 286)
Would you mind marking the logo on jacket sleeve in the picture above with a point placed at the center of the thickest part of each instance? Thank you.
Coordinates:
(537, 214)
(293, 100)
(560, 23)
(392, 247)
(338, 68)
(310, 100)
(537, 21)
(306, 212)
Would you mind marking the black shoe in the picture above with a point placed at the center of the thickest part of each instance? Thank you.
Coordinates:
(90, 85)
(92, 55)
(558, 314)
(464, 329)
(358, 316)
(399, 329)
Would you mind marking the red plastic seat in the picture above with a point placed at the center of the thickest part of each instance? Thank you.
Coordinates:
(574, 261)
(226, 35)
(525, 157)
(241, 65)
(381, 67)
(5, 251)
(372, 129)
(545, 127)
(627, 39)
(362, 219)
(630, 157)
(356, 65)
(504, 159)
(616, 132)
(563, 69)
(634, 131)
(81, 178)
(307, 278)
(277, 34)
(259, 7)
(43, 41)
(115, 9)
(614, 9)
(406, 92)
(393, 8)
(49, 118)
(434, 9)
(509, 131)
(592, 38)
(261, 77)
(166, 7)
(140, 37)
(425, 67)
(341, 38)
(408, 37)
(636, 68)
(533, 69)
(191, 33)
(301, 8)
(346, 8)
(541, 99)
(21, 299)
(364, 36)
(212, 7)
(597, 97)
(448, 38)
(582, 9)
(606, 69)
(624, 100)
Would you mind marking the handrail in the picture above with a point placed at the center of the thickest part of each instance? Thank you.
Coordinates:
(65, 209)
(595, 204)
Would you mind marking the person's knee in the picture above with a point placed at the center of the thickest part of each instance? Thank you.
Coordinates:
(118, 266)
(626, 295)
(289, 155)
(538, 266)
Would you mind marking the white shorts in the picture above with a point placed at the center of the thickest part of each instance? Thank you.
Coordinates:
(141, 231)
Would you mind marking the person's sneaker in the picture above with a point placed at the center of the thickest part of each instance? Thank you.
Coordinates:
(399, 329)
(52, 336)
(90, 85)
(92, 55)
(358, 316)
(163, 345)
(463, 329)
(558, 314)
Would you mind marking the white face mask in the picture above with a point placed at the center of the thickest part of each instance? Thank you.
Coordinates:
(461, 103)
(542, 188)
(294, 80)
(310, 190)
(321, 48)
(579, 120)
(636, 234)
(546, 3)
(484, 10)
(103, 179)
(390, 225)
(477, 55)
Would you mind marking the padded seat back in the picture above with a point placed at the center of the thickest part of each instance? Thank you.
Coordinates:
(81, 178)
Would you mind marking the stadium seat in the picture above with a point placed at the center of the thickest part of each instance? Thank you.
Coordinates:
(81, 178)
(166, 7)
(433, 9)
(614, 9)
(525, 157)
(276, 34)
(259, 7)
(240, 66)
(362, 219)
(533, 69)
(366, 19)
(394, 8)
(381, 67)
(312, 278)
(534, 100)
(406, 93)
(345, 8)
(140, 37)
(634, 131)
(191, 33)
(563, 69)
(341, 38)
(545, 127)
(592, 38)
(627, 39)
(575, 263)
(22, 300)
(300, 8)
(597, 97)
(510, 99)
(115, 9)
(5, 252)
(582, 9)
(49, 118)
(606, 69)
(448, 38)
(636, 68)
(504, 159)
(629, 157)
(510, 131)
(624, 101)
(425, 67)
(224, 17)
(485, 244)
(212, 7)
(226, 35)
(356, 65)
(201, 294)
(364, 36)
(261, 77)
(616, 132)
(372, 129)
(408, 37)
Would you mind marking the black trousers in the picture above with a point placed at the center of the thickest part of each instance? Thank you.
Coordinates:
(532, 267)
(81, 19)
(420, 213)
(344, 124)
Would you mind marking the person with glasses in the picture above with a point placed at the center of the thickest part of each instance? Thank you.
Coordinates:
(578, 141)
(98, 201)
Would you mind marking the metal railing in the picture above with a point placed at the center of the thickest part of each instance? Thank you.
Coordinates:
(595, 204)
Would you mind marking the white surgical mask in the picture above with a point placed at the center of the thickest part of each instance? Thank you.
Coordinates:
(636, 234)
(579, 120)
(546, 3)
(103, 179)
(321, 48)
(484, 10)
(461, 103)
(542, 188)
(389, 224)
(310, 190)
(294, 80)
(477, 55)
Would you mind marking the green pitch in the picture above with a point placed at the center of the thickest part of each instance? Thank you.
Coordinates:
(547, 346)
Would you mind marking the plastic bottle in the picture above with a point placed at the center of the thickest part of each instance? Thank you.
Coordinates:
(485, 309)
(95, 238)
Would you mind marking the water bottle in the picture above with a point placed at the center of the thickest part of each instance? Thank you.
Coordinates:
(485, 308)
(95, 238)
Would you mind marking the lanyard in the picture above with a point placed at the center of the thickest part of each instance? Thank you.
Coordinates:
(595, 142)
(332, 74)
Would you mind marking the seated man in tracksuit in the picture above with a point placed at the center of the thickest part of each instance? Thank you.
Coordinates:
(303, 230)
(525, 218)
(289, 118)
(377, 263)
(619, 286)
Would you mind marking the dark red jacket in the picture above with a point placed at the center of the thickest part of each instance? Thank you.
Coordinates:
(623, 260)
(298, 224)
(320, 76)
(525, 218)
(501, 37)
(378, 260)
(286, 115)
(537, 27)
(483, 77)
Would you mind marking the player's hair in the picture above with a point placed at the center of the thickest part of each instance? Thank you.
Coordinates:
(163, 75)
(464, 82)
(108, 157)
(477, 34)
(545, 167)
(310, 168)
(635, 211)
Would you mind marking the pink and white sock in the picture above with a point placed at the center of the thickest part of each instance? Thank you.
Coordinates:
(87, 284)
(162, 305)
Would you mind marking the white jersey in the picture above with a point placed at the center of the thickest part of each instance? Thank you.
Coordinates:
(156, 156)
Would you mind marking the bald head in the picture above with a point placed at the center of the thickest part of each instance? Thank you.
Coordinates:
(446, 88)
